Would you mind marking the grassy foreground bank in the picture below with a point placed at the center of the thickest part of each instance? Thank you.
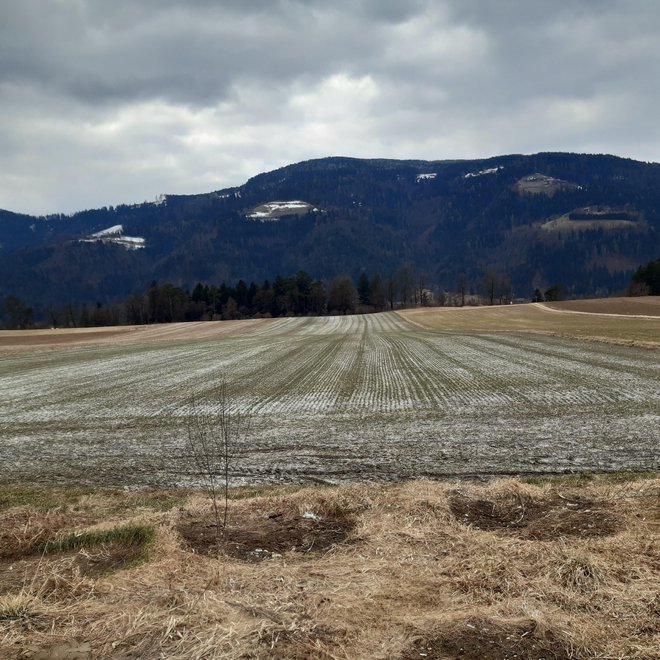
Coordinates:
(558, 568)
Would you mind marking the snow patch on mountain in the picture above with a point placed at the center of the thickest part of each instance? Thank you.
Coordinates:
(278, 209)
(115, 234)
(490, 170)
(115, 230)
(426, 177)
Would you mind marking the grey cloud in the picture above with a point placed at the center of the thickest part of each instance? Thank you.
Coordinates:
(171, 91)
(182, 51)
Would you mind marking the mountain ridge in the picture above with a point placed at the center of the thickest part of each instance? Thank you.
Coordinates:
(459, 219)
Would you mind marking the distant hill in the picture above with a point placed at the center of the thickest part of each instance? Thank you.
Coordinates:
(586, 221)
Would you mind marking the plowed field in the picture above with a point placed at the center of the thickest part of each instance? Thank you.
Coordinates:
(364, 398)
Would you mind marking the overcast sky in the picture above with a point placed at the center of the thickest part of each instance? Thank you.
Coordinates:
(116, 101)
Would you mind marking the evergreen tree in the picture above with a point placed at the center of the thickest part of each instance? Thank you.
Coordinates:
(377, 292)
(17, 314)
(200, 293)
(647, 278)
(241, 294)
(556, 292)
(303, 293)
(364, 289)
(318, 298)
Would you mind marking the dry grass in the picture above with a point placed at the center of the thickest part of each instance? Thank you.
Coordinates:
(410, 578)
(22, 340)
(638, 306)
(612, 321)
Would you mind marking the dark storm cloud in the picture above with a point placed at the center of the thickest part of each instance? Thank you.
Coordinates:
(187, 52)
(103, 102)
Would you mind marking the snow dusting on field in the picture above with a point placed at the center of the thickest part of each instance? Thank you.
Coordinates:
(334, 398)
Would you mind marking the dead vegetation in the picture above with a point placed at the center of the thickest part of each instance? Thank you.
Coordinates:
(416, 570)
(617, 321)
(631, 306)
(62, 558)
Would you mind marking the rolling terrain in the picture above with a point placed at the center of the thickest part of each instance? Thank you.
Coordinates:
(380, 397)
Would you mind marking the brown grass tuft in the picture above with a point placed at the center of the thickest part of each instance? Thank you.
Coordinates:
(410, 577)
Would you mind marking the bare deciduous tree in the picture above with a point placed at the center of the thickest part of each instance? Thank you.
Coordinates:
(217, 434)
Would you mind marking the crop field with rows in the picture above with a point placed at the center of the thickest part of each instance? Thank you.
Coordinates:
(357, 398)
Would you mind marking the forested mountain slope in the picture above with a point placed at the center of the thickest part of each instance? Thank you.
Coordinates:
(586, 221)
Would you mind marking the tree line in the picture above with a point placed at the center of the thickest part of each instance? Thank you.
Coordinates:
(297, 295)
(646, 280)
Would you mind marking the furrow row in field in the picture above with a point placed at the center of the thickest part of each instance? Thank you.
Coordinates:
(452, 384)
(283, 327)
(350, 371)
(349, 396)
(331, 325)
(611, 358)
(45, 391)
(380, 386)
(105, 382)
(571, 375)
(291, 379)
(331, 373)
(418, 385)
(494, 379)
(108, 383)
(440, 377)
(388, 323)
(327, 384)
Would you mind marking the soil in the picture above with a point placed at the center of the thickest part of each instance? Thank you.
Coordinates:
(642, 306)
(317, 644)
(541, 520)
(477, 640)
(20, 572)
(74, 337)
(64, 651)
(254, 536)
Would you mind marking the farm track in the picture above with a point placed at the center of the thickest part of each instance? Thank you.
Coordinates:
(339, 398)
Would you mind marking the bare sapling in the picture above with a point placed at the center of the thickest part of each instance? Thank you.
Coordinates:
(217, 433)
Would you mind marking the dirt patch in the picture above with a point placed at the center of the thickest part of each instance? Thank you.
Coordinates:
(254, 535)
(541, 520)
(320, 643)
(479, 639)
(36, 339)
(74, 337)
(64, 651)
(40, 570)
